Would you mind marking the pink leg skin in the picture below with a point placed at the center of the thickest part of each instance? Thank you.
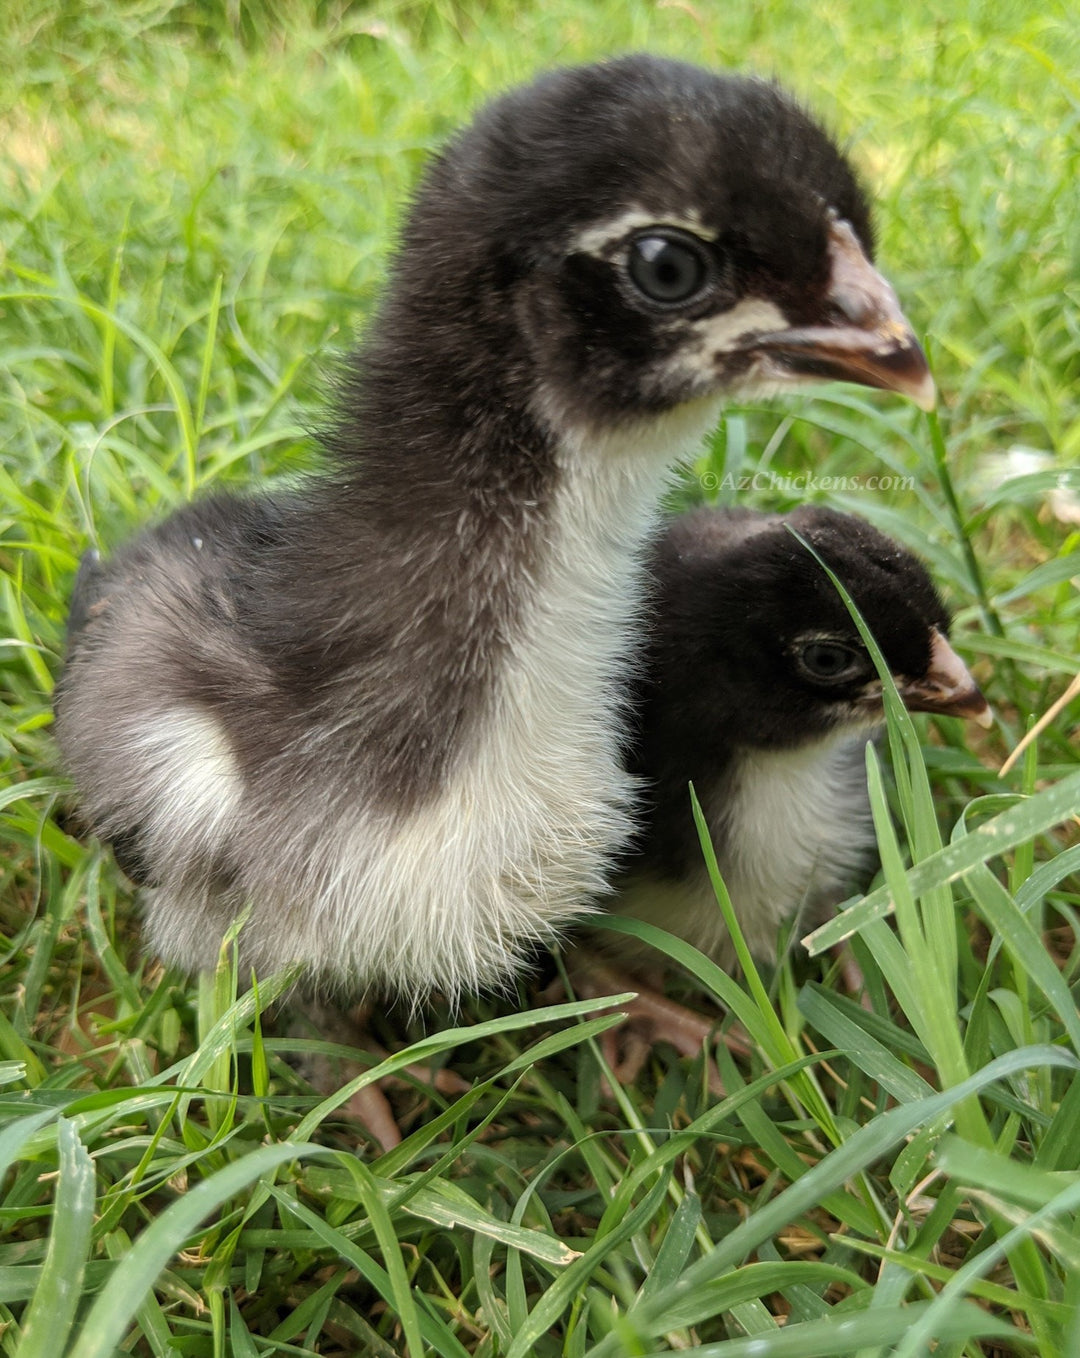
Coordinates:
(851, 974)
(650, 1018)
(369, 1105)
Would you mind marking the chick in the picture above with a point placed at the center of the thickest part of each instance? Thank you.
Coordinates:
(757, 688)
(381, 710)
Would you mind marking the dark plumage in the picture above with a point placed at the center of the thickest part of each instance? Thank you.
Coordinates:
(758, 689)
(381, 709)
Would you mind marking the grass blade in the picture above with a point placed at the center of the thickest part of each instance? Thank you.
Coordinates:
(52, 1311)
(112, 1311)
(1032, 817)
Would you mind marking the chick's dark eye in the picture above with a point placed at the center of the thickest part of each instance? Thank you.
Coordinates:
(668, 268)
(829, 660)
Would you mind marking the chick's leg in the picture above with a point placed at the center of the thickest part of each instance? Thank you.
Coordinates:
(650, 1018)
(369, 1105)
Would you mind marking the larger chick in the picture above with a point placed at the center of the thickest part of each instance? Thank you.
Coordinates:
(757, 688)
(382, 710)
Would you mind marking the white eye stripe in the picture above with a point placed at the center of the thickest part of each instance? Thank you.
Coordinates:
(599, 240)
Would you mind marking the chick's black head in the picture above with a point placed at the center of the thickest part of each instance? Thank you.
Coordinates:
(753, 646)
(626, 237)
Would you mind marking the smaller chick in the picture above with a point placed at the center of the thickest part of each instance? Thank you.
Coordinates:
(758, 689)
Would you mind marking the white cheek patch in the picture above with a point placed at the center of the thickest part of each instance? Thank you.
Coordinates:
(599, 240)
(704, 341)
(725, 332)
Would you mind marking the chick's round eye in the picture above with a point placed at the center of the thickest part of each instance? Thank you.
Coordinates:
(829, 660)
(668, 268)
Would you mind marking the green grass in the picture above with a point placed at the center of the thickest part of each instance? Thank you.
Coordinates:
(197, 201)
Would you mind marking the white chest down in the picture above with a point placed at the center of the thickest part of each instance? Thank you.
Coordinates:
(521, 838)
(793, 834)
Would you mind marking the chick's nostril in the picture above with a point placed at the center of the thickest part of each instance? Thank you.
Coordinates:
(851, 306)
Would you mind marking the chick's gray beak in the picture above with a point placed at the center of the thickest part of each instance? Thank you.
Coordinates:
(869, 341)
(947, 688)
